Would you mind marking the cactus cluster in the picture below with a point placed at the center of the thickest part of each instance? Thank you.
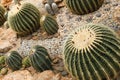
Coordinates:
(2, 18)
(92, 52)
(83, 6)
(49, 24)
(40, 59)
(51, 7)
(24, 19)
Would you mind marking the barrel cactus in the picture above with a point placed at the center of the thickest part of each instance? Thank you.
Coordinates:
(92, 52)
(2, 60)
(2, 18)
(14, 60)
(24, 19)
(26, 62)
(49, 24)
(40, 59)
(83, 6)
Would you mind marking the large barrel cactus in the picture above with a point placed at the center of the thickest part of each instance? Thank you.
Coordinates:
(2, 18)
(14, 60)
(40, 59)
(49, 24)
(83, 6)
(92, 52)
(24, 19)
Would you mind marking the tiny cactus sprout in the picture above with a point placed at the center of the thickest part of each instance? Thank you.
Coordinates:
(83, 6)
(24, 19)
(2, 18)
(49, 24)
(26, 62)
(49, 9)
(92, 52)
(3, 71)
(14, 60)
(40, 59)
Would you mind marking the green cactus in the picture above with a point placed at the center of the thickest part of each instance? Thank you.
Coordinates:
(14, 60)
(83, 6)
(2, 60)
(92, 52)
(40, 59)
(24, 19)
(26, 62)
(49, 24)
(2, 11)
(3, 71)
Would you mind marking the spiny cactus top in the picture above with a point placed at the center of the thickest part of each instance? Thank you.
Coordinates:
(40, 59)
(83, 6)
(49, 24)
(24, 19)
(2, 11)
(92, 52)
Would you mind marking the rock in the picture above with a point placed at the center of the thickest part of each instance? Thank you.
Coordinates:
(6, 2)
(18, 75)
(5, 46)
(46, 75)
(56, 1)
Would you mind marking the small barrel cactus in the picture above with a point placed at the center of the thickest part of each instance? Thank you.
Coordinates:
(2, 18)
(14, 60)
(92, 52)
(3, 71)
(26, 62)
(40, 59)
(83, 6)
(2, 60)
(24, 19)
(49, 24)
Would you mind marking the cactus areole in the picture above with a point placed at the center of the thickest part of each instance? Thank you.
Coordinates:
(24, 19)
(83, 6)
(92, 52)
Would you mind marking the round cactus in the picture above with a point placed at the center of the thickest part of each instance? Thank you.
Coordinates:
(24, 19)
(40, 59)
(2, 11)
(83, 6)
(14, 60)
(49, 24)
(26, 62)
(92, 52)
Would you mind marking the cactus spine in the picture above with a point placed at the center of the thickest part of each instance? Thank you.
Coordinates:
(92, 52)
(14, 60)
(40, 59)
(2, 11)
(24, 19)
(49, 24)
(83, 6)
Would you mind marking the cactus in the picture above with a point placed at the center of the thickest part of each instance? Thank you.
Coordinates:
(83, 6)
(49, 24)
(92, 52)
(40, 59)
(24, 19)
(2, 60)
(14, 60)
(26, 62)
(4, 71)
(51, 7)
(2, 11)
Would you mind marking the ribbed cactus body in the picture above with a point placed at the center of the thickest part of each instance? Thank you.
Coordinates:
(83, 6)
(24, 19)
(40, 59)
(92, 52)
(14, 61)
(49, 24)
(2, 11)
